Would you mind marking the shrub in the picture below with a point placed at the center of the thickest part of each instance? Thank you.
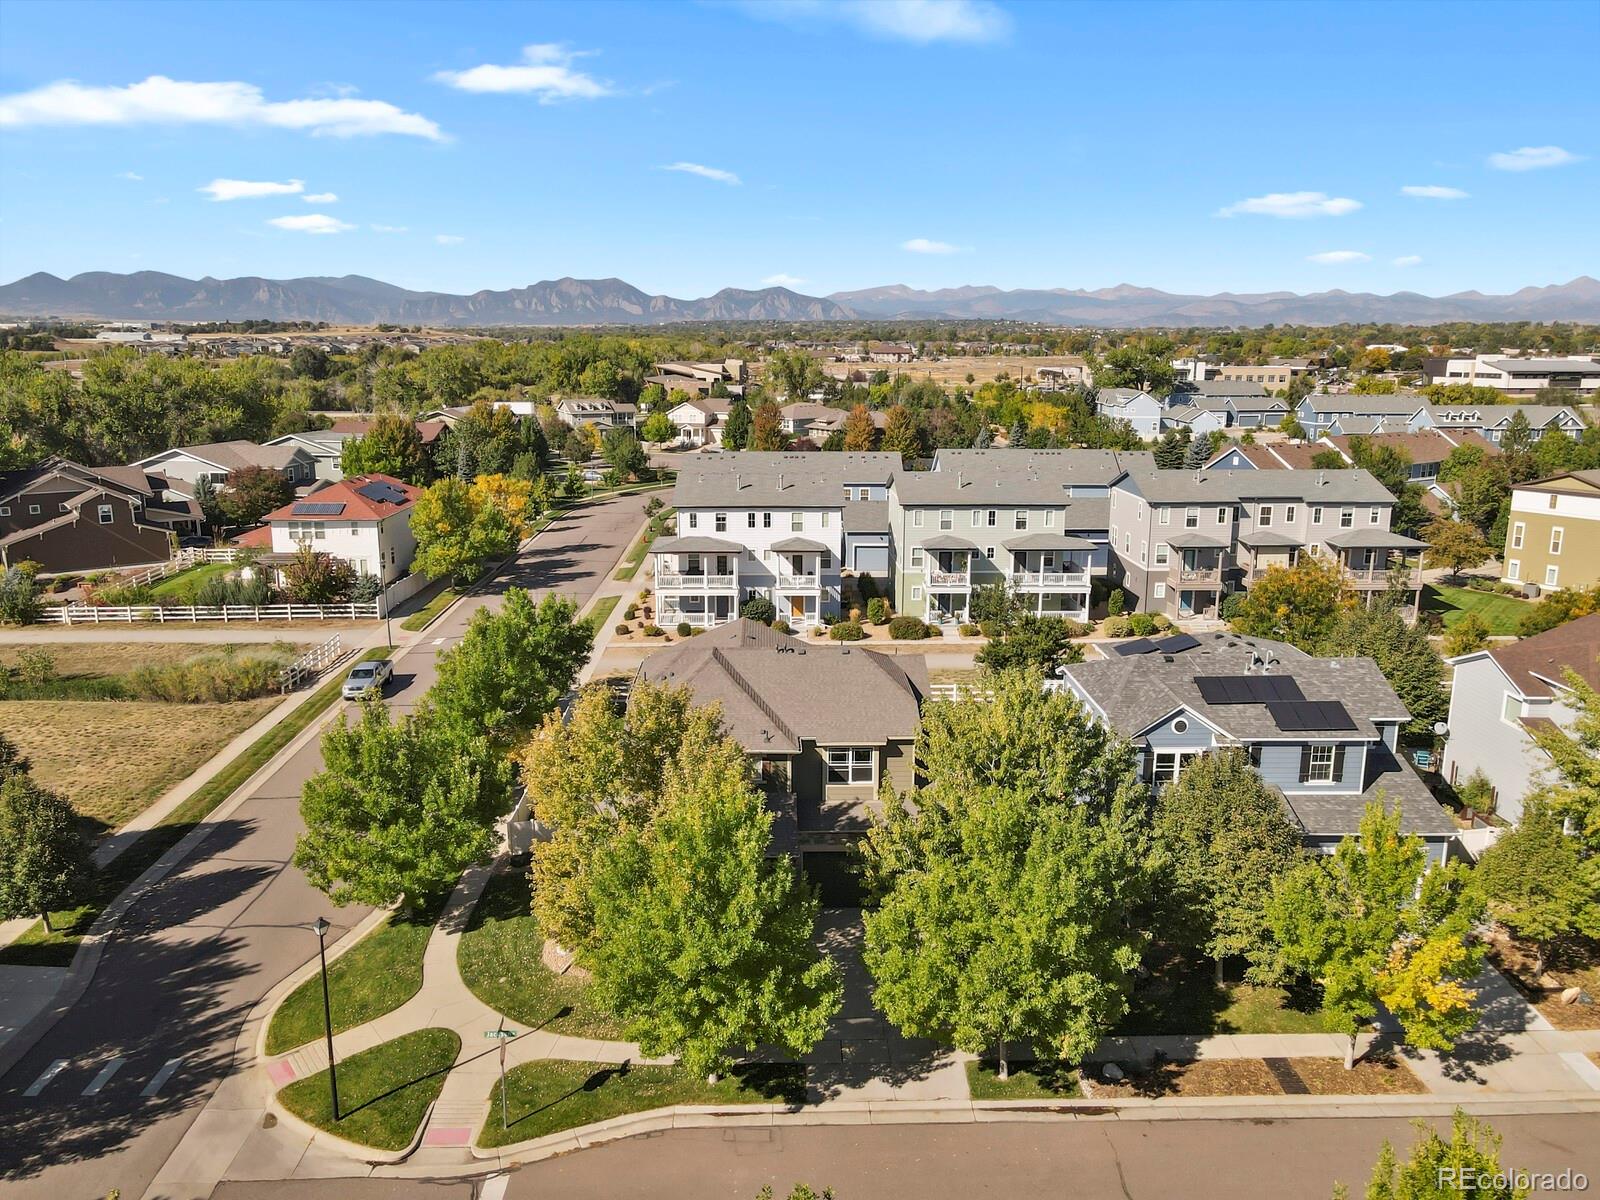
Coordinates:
(653, 631)
(211, 678)
(867, 586)
(1471, 633)
(969, 630)
(1231, 604)
(1115, 602)
(989, 629)
(908, 629)
(1163, 622)
(366, 589)
(630, 612)
(932, 631)
(846, 631)
(120, 595)
(219, 591)
(1141, 624)
(1116, 627)
(36, 666)
(622, 629)
(855, 615)
(1476, 793)
(685, 629)
(759, 608)
(782, 626)
(877, 610)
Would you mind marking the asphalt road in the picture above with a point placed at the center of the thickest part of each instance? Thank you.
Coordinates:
(1117, 1160)
(137, 1057)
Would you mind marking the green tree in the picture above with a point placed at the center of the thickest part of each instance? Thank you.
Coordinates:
(510, 668)
(901, 434)
(399, 810)
(1455, 545)
(1469, 633)
(1403, 653)
(859, 431)
(1573, 792)
(309, 362)
(1468, 1165)
(658, 427)
(1146, 366)
(391, 446)
(205, 499)
(1007, 892)
(1298, 604)
(1229, 842)
(736, 430)
(766, 428)
(1373, 925)
(1539, 882)
(1479, 493)
(621, 449)
(702, 942)
(44, 864)
(1027, 640)
(19, 596)
(250, 493)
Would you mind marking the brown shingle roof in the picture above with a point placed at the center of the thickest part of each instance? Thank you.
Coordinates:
(1549, 655)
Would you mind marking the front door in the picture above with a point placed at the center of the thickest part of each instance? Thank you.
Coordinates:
(1185, 604)
(797, 607)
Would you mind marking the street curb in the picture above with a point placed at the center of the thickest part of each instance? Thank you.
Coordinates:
(280, 991)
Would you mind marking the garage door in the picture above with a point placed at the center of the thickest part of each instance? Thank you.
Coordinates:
(835, 876)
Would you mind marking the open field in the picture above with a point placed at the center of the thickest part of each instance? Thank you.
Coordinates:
(100, 660)
(953, 372)
(113, 758)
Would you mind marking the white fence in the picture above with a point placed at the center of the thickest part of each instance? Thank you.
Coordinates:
(311, 664)
(189, 556)
(1476, 841)
(95, 614)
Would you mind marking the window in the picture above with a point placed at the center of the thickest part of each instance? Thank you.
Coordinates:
(1169, 765)
(1144, 551)
(1222, 516)
(106, 514)
(1552, 501)
(766, 520)
(1374, 515)
(1513, 570)
(1318, 765)
(916, 593)
(1264, 518)
(1049, 518)
(1162, 552)
(1022, 518)
(750, 520)
(62, 508)
(825, 515)
(1555, 540)
(1191, 518)
(797, 522)
(33, 510)
(1181, 725)
(916, 556)
(1288, 514)
(5, 510)
(988, 552)
(1511, 709)
(1347, 518)
(1316, 514)
(694, 520)
(916, 518)
(1552, 574)
(720, 522)
(992, 518)
(977, 517)
(1164, 515)
(1517, 532)
(947, 519)
(1159, 591)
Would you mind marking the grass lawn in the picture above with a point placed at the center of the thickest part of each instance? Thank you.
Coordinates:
(636, 555)
(499, 961)
(36, 947)
(113, 758)
(1028, 1081)
(1502, 614)
(194, 577)
(602, 612)
(1183, 997)
(383, 1092)
(423, 617)
(548, 1096)
(377, 975)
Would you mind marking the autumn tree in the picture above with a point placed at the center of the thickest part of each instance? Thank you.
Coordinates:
(1297, 604)
(901, 434)
(1455, 545)
(766, 428)
(1540, 883)
(859, 431)
(250, 493)
(1573, 790)
(1374, 925)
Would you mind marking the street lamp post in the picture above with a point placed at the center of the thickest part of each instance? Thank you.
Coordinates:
(321, 927)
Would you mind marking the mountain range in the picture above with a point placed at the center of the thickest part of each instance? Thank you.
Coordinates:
(358, 300)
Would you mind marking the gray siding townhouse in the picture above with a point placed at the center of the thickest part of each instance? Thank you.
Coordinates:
(1323, 732)
(325, 447)
(599, 411)
(1138, 408)
(1035, 519)
(1498, 696)
(824, 725)
(1318, 414)
(1183, 539)
(217, 460)
(781, 525)
(1248, 405)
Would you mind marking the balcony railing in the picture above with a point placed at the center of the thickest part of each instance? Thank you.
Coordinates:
(1050, 579)
(699, 583)
(1182, 574)
(788, 579)
(955, 579)
(1380, 577)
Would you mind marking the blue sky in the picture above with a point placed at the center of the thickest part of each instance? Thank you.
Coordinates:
(687, 147)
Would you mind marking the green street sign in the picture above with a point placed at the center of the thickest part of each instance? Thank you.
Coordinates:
(499, 1033)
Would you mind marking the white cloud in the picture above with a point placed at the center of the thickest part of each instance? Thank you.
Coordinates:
(929, 246)
(250, 189)
(1432, 191)
(919, 21)
(1292, 205)
(1407, 260)
(321, 198)
(1531, 158)
(705, 172)
(1334, 258)
(159, 100)
(546, 71)
(311, 223)
(131, 176)
(448, 239)
(782, 280)
(390, 229)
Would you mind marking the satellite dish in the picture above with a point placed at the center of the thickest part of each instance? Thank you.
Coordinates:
(1440, 729)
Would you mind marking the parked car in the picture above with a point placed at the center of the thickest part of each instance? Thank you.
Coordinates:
(367, 679)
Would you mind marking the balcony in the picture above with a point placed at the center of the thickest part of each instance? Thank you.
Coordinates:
(789, 581)
(1379, 578)
(679, 581)
(1049, 581)
(1194, 574)
(948, 578)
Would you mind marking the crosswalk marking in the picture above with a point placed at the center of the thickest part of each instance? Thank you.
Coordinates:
(161, 1076)
(104, 1077)
(494, 1187)
(50, 1072)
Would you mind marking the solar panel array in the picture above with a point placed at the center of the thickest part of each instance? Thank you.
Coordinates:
(1137, 646)
(308, 508)
(1310, 715)
(1177, 642)
(1167, 645)
(381, 493)
(1248, 689)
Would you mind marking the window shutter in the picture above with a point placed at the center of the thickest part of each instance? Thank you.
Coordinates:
(1149, 764)
(1338, 763)
(1305, 763)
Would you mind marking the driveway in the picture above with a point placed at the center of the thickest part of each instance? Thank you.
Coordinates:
(119, 1079)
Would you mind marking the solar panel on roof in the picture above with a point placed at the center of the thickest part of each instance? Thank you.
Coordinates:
(307, 508)
(1137, 646)
(1176, 643)
(1248, 689)
(1310, 715)
(381, 493)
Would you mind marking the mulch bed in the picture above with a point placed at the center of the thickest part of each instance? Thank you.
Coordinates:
(1260, 1077)
(1516, 963)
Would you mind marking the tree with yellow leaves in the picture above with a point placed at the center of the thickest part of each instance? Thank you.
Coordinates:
(1298, 604)
(1374, 924)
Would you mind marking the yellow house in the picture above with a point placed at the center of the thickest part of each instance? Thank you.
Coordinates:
(1553, 536)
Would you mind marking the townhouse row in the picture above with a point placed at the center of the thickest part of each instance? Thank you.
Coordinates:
(1048, 523)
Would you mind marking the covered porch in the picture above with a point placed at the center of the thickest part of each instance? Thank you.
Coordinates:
(1050, 573)
(1264, 549)
(697, 580)
(1194, 574)
(1374, 560)
(947, 569)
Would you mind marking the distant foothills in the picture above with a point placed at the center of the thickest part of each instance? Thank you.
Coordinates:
(357, 300)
